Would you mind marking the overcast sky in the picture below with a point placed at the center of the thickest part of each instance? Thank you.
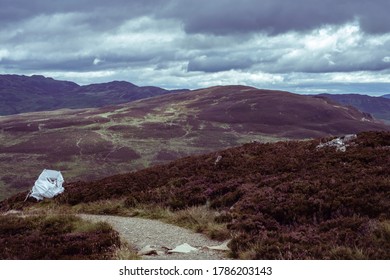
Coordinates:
(304, 46)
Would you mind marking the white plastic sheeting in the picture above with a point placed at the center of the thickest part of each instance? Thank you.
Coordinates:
(341, 143)
(48, 185)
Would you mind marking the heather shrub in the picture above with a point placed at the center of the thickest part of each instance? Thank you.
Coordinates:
(285, 200)
(55, 237)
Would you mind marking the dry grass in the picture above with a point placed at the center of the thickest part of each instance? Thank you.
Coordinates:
(348, 253)
(103, 207)
(125, 252)
(383, 232)
(199, 219)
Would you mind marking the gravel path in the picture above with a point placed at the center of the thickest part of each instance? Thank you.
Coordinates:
(160, 237)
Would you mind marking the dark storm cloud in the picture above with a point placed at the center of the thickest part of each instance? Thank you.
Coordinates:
(15, 10)
(198, 43)
(97, 14)
(277, 16)
(270, 16)
(79, 64)
(215, 17)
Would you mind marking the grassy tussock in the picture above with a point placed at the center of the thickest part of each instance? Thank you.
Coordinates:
(102, 207)
(348, 253)
(125, 252)
(200, 219)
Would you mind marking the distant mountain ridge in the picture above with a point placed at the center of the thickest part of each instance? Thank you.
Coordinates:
(386, 96)
(379, 107)
(21, 94)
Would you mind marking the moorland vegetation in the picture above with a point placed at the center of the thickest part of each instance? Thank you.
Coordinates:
(284, 200)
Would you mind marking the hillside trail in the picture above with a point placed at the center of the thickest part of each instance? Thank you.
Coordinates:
(153, 239)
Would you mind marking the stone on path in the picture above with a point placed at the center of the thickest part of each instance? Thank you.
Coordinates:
(183, 248)
(147, 250)
(222, 247)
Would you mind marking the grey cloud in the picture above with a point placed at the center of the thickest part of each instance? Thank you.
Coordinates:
(277, 16)
(98, 14)
(84, 63)
(31, 64)
(215, 17)
(218, 63)
(321, 65)
(15, 10)
(246, 40)
(362, 57)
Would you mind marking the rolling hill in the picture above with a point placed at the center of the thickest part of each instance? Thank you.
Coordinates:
(93, 143)
(20, 94)
(386, 96)
(379, 107)
(285, 200)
